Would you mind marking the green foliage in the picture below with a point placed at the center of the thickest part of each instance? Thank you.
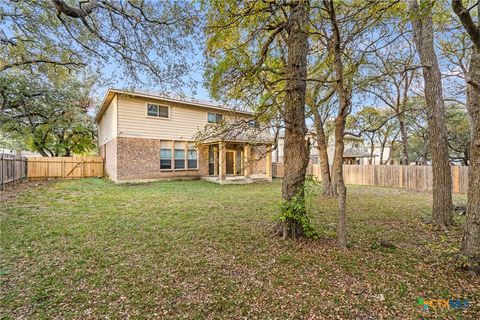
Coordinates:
(51, 117)
(312, 184)
(295, 209)
(148, 41)
(243, 63)
(11, 144)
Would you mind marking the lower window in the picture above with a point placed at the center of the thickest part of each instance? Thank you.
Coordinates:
(179, 155)
(166, 159)
(192, 159)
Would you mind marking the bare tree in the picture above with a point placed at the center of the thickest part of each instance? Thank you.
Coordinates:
(471, 235)
(348, 42)
(344, 99)
(393, 74)
(321, 109)
(422, 24)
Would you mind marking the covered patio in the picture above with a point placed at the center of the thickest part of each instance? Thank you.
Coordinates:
(239, 162)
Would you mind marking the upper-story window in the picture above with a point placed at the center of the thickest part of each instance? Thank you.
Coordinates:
(253, 123)
(214, 117)
(156, 110)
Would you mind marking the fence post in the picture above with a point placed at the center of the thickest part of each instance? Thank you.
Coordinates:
(13, 168)
(3, 182)
(63, 168)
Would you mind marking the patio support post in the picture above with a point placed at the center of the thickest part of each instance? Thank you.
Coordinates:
(215, 161)
(268, 161)
(221, 161)
(247, 162)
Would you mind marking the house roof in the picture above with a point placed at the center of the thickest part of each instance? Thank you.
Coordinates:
(189, 101)
(258, 141)
(355, 153)
(311, 132)
(239, 134)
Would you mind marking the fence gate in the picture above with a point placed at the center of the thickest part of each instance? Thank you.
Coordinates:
(64, 167)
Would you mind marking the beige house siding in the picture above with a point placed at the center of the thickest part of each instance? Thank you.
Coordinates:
(107, 126)
(184, 122)
(109, 153)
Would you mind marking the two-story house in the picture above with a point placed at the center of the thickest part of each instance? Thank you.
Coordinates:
(148, 137)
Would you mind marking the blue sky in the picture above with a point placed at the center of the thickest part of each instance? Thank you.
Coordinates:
(119, 81)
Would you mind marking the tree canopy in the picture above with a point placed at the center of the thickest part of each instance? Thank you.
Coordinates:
(54, 119)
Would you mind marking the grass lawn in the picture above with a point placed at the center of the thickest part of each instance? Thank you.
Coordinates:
(191, 249)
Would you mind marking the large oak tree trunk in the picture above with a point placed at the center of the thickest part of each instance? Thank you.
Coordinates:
(403, 133)
(340, 120)
(372, 151)
(296, 154)
(382, 149)
(442, 213)
(471, 233)
(392, 151)
(339, 183)
(322, 147)
(424, 150)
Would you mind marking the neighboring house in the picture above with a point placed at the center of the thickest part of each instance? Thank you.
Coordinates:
(22, 153)
(145, 136)
(356, 153)
(377, 149)
(354, 150)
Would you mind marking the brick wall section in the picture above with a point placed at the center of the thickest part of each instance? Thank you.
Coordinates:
(109, 153)
(140, 159)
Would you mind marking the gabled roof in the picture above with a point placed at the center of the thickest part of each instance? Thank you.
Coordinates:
(356, 153)
(251, 136)
(188, 101)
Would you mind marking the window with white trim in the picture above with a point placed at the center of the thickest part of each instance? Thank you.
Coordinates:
(179, 155)
(165, 155)
(253, 124)
(159, 111)
(192, 157)
(214, 117)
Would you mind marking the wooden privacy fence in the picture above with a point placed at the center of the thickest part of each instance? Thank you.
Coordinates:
(12, 168)
(408, 177)
(64, 167)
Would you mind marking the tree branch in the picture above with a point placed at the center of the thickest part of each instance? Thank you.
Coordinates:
(27, 62)
(82, 12)
(467, 21)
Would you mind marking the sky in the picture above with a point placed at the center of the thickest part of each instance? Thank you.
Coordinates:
(113, 77)
(111, 70)
(119, 81)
